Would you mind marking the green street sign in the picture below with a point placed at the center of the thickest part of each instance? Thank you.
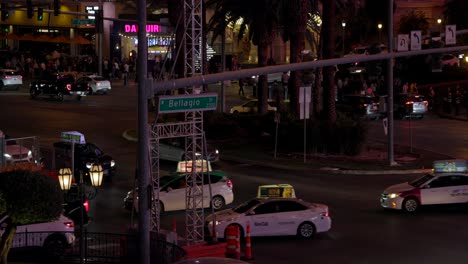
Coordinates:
(77, 22)
(184, 103)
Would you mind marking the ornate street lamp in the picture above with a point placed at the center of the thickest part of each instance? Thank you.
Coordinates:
(65, 177)
(96, 173)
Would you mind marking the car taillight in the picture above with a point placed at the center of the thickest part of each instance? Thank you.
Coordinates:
(69, 87)
(365, 105)
(69, 224)
(229, 183)
(98, 83)
(325, 214)
(426, 103)
(21, 77)
(86, 205)
(409, 102)
(7, 77)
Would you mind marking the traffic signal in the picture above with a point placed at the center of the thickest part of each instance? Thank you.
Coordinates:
(30, 9)
(5, 13)
(56, 7)
(40, 13)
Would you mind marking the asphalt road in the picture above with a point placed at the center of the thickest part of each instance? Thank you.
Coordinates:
(362, 232)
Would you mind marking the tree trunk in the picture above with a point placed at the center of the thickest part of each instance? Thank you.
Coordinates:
(296, 46)
(262, 86)
(7, 241)
(328, 33)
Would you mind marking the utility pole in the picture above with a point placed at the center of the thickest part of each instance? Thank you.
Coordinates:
(144, 219)
(390, 134)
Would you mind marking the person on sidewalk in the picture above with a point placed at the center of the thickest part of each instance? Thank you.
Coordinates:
(241, 87)
(126, 69)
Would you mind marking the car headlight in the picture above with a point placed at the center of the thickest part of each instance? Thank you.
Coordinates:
(393, 195)
(112, 163)
(217, 151)
(88, 165)
(29, 153)
(198, 154)
(216, 223)
(6, 155)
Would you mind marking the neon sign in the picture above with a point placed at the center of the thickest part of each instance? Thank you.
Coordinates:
(132, 28)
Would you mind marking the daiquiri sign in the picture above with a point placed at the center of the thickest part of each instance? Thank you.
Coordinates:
(133, 28)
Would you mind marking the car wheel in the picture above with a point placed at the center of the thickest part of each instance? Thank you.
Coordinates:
(59, 96)
(218, 203)
(55, 246)
(33, 94)
(410, 205)
(306, 230)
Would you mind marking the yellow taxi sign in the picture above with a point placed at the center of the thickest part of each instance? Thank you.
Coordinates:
(276, 191)
(187, 165)
(456, 165)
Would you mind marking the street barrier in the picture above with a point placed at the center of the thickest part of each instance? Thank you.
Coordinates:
(232, 242)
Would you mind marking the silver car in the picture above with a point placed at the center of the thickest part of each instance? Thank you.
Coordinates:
(11, 79)
(98, 84)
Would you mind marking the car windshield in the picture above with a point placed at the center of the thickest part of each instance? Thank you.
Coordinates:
(421, 180)
(99, 79)
(246, 206)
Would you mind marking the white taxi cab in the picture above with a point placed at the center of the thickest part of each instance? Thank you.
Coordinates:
(448, 184)
(272, 217)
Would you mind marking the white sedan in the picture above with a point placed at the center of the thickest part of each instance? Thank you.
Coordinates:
(98, 84)
(447, 185)
(251, 107)
(273, 217)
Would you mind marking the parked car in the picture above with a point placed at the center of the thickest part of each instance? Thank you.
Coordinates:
(57, 85)
(54, 236)
(272, 217)
(251, 107)
(11, 79)
(447, 185)
(97, 84)
(86, 154)
(449, 60)
(358, 106)
(15, 151)
(174, 150)
(173, 187)
(409, 105)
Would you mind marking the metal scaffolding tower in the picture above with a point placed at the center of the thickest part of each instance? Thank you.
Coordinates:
(191, 129)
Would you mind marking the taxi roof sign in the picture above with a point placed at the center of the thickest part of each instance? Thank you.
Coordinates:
(73, 136)
(200, 166)
(457, 165)
(276, 191)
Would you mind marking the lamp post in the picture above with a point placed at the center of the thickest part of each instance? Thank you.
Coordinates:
(65, 177)
(439, 22)
(379, 26)
(343, 25)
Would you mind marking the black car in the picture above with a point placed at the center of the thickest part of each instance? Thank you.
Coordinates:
(85, 155)
(57, 85)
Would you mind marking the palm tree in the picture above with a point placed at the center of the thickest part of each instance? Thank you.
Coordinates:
(294, 22)
(259, 21)
(328, 41)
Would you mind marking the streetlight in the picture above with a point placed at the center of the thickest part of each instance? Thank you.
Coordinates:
(65, 177)
(439, 22)
(379, 26)
(343, 25)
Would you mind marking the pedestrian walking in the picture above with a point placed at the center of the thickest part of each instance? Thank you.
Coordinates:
(126, 69)
(241, 87)
(431, 98)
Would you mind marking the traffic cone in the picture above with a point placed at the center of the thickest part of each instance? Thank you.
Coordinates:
(231, 241)
(238, 254)
(248, 245)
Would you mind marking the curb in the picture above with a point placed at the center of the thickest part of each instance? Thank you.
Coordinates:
(126, 135)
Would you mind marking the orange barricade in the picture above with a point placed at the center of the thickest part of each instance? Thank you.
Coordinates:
(248, 245)
(232, 240)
